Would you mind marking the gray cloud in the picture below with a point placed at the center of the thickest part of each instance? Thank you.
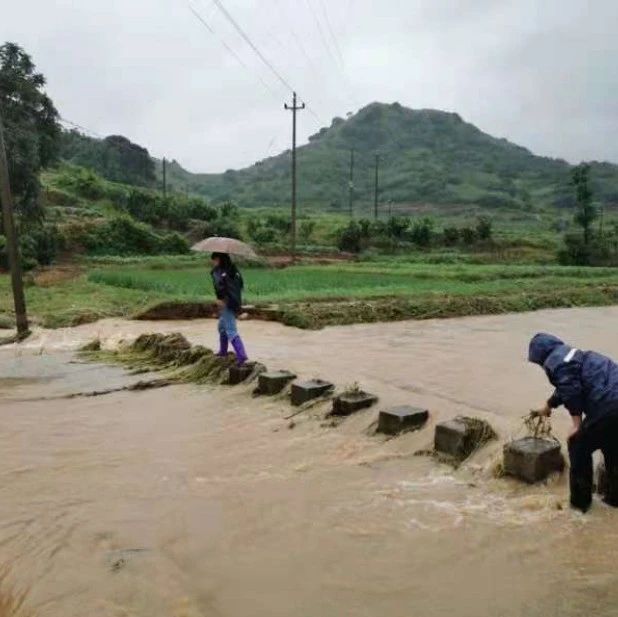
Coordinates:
(543, 74)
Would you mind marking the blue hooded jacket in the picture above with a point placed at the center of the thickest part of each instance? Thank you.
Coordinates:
(586, 382)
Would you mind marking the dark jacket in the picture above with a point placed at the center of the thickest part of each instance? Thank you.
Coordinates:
(586, 382)
(228, 285)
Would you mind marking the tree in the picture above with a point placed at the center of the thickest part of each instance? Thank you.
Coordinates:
(484, 228)
(586, 213)
(32, 129)
(306, 229)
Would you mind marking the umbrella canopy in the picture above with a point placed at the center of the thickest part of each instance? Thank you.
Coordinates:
(225, 245)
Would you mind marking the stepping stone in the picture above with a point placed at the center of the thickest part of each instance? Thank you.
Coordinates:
(347, 403)
(304, 391)
(460, 437)
(273, 382)
(238, 374)
(402, 418)
(532, 459)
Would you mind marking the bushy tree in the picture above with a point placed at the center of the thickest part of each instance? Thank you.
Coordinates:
(31, 128)
(115, 157)
(586, 213)
(484, 228)
(422, 232)
(450, 236)
(306, 230)
(468, 235)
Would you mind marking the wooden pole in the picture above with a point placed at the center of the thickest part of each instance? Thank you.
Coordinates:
(294, 108)
(12, 244)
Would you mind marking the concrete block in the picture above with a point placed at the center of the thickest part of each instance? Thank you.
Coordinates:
(304, 391)
(239, 374)
(349, 402)
(532, 459)
(462, 436)
(273, 382)
(402, 418)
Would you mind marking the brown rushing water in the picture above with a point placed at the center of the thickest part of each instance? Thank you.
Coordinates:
(200, 501)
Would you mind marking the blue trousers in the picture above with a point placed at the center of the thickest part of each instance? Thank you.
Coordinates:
(227, 324)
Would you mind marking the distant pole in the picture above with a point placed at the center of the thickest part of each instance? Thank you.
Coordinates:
(376, 189)
(293, 108)
(164, 178)
(21, 318)
(351, 184)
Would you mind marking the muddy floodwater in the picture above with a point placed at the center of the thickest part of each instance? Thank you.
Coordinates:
(202, 501)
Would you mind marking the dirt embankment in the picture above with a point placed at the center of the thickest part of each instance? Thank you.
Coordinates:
(316, 314)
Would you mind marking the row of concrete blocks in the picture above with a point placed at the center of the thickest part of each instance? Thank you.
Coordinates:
(391, 421)
(529, 459)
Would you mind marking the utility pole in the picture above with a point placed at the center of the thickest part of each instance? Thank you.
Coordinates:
(351, 184)
(21, 318)
(164, 178)
(375, 194)
(294, 107)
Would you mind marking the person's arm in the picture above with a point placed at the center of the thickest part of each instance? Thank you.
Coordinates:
(567, 379)
(577, 424)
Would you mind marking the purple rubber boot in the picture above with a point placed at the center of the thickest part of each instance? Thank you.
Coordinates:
(239, 350)
(222, 345)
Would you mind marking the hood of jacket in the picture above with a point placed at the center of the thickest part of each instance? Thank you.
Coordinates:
(541, 347)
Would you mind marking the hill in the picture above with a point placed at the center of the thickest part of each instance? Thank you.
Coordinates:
(427, 156)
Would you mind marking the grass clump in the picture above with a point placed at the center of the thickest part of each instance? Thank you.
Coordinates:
(171, 353)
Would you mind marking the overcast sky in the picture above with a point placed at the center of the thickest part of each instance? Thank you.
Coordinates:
(542, 73)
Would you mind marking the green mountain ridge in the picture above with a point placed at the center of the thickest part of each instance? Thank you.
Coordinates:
(426, 156)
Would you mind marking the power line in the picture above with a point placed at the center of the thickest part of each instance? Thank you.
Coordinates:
(321, 31)
(297, 39)
(332, 33)
(251, 44)
(259, 54)
(230, 49)
(335, 60)
(80, 128)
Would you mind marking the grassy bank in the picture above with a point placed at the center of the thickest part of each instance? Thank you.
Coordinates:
(316, 295)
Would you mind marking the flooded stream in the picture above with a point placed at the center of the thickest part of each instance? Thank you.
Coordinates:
(195, 501)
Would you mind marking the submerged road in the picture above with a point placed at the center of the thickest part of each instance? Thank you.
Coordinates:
(192, 500)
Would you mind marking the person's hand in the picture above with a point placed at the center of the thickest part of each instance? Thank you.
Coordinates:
(220, 303)
(544, 412)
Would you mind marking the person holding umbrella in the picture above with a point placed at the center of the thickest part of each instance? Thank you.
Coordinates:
(228, 286)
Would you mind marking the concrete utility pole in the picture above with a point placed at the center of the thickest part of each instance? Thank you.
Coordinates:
(376, 190)
(12, 246)
(164, 178)
(351, 185)
(294, 107)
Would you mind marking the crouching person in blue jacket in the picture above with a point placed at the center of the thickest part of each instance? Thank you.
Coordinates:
(228, 284)
(586, 384)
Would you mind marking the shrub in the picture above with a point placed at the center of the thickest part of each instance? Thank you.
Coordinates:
(576, 252)
(305, 231)
(468, 235)
(484, 228)
(349, 239)
(422, 232)
(124, 236)
(450, 236)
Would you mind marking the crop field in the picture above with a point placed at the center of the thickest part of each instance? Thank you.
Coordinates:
(315, 295)
(358, 281)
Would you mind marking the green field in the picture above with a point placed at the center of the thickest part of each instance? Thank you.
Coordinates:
(316, 295)
(358, 281)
